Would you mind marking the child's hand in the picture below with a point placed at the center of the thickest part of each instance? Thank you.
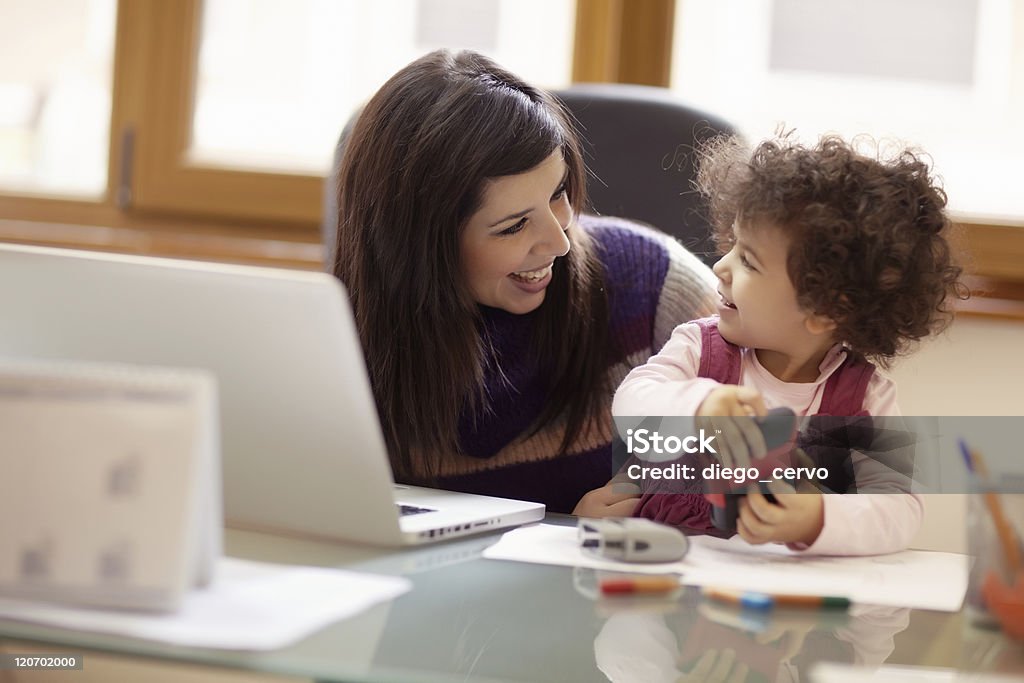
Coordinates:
(614, 499)
(732, 400)
(728, 412)
(795, 517)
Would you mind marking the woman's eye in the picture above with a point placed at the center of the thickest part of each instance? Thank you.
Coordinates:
(559, 193)
(513, 229)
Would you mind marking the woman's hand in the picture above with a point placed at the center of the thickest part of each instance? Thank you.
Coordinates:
(614, 499)
(796, 517)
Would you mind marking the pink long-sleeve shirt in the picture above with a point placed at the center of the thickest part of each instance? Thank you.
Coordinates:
(861, 524)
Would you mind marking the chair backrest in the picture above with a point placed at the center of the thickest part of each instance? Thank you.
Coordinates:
(640, 146)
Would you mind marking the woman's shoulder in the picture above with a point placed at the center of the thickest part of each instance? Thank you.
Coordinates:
(632, 253)
(652, 282)
(638, 256)
(612, 232)
(633, 247)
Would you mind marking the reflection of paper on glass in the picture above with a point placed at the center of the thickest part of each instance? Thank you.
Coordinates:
(249, 606)
(829, 672)
(893, 579)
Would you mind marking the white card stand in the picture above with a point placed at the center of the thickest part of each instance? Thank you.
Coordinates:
(110, 491)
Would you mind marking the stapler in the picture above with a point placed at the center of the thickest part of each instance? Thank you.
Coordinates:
(632, 539)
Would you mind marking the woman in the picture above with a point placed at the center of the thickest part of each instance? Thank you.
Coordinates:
(496, 320)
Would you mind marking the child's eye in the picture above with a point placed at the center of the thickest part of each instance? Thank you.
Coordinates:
(559, 193)
(746, 264)
(513, 229)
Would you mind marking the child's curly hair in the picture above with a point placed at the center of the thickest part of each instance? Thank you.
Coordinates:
(869, 245)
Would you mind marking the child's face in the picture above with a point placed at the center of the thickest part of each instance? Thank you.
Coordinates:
(758, 305)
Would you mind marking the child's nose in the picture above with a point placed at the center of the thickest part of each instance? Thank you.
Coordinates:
(721, 268)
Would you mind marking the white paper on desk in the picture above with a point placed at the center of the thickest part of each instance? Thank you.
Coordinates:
(551, 544)
(912, 578)
(249, 606)
(831, 672)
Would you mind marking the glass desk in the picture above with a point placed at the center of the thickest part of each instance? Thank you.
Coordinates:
(471, 619)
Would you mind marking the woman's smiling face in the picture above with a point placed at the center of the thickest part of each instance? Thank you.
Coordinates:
(509, 245)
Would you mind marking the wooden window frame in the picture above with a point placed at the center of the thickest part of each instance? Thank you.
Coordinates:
(624, 42)
(159, 202)
(159, 121)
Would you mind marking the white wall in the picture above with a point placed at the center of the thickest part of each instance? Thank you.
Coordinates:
(976, 368)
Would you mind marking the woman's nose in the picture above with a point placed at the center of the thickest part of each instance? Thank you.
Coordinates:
(553, 240)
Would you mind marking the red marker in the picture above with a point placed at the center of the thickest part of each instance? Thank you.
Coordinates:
(641, 584)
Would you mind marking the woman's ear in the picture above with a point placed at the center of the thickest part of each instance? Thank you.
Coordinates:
(819, 324)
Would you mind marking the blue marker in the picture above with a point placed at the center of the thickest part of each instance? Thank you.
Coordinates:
(766, 601)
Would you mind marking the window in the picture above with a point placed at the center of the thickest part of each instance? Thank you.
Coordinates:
(55, 93)
(278, 79)
(274, 82)
(203, 128)
(944, 75)
(224, 110)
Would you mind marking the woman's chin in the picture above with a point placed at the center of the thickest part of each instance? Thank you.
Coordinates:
(519, 297)
(521, 305)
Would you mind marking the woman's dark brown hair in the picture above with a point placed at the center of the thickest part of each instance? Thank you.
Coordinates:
(412, 175)
(869, 238)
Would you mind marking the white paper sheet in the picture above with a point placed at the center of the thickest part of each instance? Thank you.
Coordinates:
(249, 606)
(829, 672)
(912, 578)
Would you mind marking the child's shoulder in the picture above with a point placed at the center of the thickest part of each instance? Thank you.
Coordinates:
(881, 384)
(880, 397)
(691, 331)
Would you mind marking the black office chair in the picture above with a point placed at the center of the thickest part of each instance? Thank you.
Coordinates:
(639, 146)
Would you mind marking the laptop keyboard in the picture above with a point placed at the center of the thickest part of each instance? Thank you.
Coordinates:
(404, 510)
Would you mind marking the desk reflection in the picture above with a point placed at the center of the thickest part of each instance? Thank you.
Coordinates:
(691, 639)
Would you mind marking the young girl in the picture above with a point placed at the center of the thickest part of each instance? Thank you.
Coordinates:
(834, 263)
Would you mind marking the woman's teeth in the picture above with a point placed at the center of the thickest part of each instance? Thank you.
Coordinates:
(532, 275)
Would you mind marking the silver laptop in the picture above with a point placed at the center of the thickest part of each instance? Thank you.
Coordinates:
(302, 447)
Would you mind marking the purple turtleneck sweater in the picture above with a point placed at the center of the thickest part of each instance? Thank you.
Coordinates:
(653, 284)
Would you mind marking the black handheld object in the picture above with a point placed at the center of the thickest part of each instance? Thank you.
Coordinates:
(779, 430)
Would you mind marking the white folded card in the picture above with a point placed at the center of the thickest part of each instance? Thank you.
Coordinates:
(110, 493)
